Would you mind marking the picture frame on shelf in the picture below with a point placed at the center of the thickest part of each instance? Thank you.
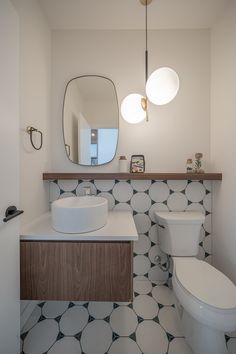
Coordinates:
(137, 164)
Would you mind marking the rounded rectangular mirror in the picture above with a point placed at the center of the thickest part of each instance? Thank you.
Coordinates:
(90, 120)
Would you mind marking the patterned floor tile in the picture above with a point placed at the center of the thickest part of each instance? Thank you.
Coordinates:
(151, 338)
(52, 309)
(123, 321)
(96, 337)
(41, 337)
(179, 346)
(68, 345)
(163, 295)
(32, 320)
(124, 345)
(142, 287)
(100, 310)
(145, 307)
(169, 321)
(74, 320)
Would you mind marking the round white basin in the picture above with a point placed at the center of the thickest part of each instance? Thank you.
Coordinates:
(79, 214)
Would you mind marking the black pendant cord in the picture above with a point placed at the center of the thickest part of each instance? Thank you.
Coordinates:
(146, 42)
(146, 56)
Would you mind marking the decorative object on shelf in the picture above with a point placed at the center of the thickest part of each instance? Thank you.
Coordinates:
(123, 164)
(198, 163)
(161, 87)
(189, 166)
(30, 131)
(137, 164)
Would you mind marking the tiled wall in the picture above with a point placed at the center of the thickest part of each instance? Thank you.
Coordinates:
(143, 198)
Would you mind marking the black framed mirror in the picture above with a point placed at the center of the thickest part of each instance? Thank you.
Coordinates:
(90, 120)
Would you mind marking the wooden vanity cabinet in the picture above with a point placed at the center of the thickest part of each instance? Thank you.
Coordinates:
(76, 271)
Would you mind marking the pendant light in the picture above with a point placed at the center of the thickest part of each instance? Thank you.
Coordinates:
(132, 110)
(161, 87)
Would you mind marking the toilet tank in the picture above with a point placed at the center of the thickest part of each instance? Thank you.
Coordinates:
(179, 232)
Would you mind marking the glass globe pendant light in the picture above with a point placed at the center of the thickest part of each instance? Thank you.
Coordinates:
(132, 109)
(161, 88)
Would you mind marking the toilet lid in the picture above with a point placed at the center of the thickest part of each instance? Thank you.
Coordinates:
(206, 283)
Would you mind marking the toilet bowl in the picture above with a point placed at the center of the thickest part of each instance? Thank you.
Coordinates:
(208, 299)
(205, 297)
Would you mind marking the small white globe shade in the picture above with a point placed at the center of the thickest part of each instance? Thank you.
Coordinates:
(131, 108)
(162, 86)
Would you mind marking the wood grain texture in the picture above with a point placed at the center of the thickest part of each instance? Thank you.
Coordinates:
(134, 176)
(76, 271)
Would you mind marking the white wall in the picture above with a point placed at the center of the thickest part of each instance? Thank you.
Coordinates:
(175, 131)
(35, 98)
(223, 140)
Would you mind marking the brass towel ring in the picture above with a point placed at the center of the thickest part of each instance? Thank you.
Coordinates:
(30, 131)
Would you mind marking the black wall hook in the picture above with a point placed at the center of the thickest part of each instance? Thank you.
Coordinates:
(30, 131)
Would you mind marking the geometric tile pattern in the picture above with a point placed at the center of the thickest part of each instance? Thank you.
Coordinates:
(149, 324)
(143, 198)
(144, 326)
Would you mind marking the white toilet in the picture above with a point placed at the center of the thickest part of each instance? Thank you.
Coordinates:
(205, 297)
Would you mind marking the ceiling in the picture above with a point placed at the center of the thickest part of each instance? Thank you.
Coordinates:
(129, 14)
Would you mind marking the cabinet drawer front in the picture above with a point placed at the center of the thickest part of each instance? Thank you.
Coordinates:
(79, 271)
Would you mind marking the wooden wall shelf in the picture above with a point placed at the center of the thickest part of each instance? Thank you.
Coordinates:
(133, 176)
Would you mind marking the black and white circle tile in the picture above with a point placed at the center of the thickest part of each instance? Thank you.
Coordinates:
(143, 198)
(149, 324)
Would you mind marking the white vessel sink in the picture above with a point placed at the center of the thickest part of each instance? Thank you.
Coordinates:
(79, 214)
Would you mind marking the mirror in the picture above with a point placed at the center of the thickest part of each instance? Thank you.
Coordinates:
(90, 120)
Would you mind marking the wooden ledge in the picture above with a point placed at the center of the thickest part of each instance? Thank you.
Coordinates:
(133, 176)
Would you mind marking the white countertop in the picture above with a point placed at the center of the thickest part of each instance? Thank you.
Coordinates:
(120, 227)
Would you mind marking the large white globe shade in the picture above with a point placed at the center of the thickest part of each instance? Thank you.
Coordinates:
(162, 86)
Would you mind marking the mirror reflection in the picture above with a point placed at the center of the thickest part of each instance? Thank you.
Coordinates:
(90, 120)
